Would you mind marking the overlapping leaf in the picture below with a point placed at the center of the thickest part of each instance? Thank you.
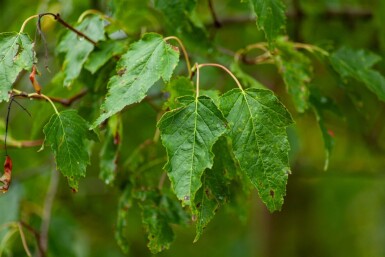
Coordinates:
(105, 51)
(297, 71)
(77, 49)
(145, 63)
(188, 133)
(158, 213)
(270, 17)
(214, 191)
(350, 63)
(16, 54)
(66, 133)
(258, 122)
(110, 150)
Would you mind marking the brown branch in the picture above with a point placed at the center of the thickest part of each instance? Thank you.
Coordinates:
(217, 24)
(62, 101)
(68, 26)
(21, 144)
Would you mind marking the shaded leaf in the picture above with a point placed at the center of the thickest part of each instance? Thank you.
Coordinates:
(297, 71)
(105, 51)
(125, 202)
(78, 49)
(246, 79)
(66, 133)
(258, 122)
(271, 17)
(158, 213)
(358, 64)
(16, 54)
(145, 63)
(181, 86)
(214, 191)
(188, 133)
(110, 150)
(321, 104)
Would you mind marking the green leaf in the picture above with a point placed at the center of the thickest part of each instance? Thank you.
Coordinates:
(105, 51)
(189, 133)
(77, 49)
(110, 150)
(181, 86)
(321, 104)
(66, 133)
(258, 122)
(145, 63)
(125, 202)
(358, 64)
(158, 213)
(297, 71)
(245, 78)
(16, 54)
(213, 192)
(271, 17)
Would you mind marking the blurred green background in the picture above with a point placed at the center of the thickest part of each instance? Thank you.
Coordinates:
(340, 212)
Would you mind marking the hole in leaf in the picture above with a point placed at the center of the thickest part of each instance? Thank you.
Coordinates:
(272, 193)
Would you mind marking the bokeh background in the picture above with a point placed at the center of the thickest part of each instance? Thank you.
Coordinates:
(338, 212)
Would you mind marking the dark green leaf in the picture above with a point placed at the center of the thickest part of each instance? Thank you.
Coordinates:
(158, 213)
(258, 122)
(77, 49)
(125, 202)
(66, 133)
(213, 192)
(271, 17)
(321, 104)
(16, 54)
(146, 62)
(297, 71)
(110, 150)
(188, 133)
(355, 64)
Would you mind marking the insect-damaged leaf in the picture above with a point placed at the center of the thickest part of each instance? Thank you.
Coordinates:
(270, 17)
(77, 49)
(147, 60)
(189, 133)
(357, 64)
(258, 122)
(158, 213)
(214, 191)
(66, 133)
(16, 54)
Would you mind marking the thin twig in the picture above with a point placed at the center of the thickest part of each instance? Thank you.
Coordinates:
(62, 101)
(37, 237)
(23, 240)
(217, 24)
(223, 68)
(183, 50)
